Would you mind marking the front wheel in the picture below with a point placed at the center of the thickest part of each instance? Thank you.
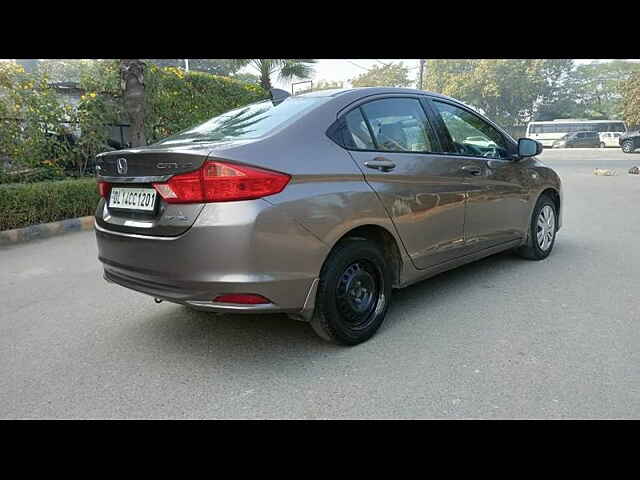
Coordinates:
(627, 146)
(542, 230)
(602, 145)
(353, 293)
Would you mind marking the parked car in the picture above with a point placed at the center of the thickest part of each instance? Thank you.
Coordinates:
(609, 139)
(578, 139)
(319, 205)
(630, 141)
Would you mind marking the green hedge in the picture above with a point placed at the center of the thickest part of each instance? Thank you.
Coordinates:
(176, 100)
(27, 204)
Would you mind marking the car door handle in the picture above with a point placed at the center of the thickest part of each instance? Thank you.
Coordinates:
(472, 169)
(381, 164)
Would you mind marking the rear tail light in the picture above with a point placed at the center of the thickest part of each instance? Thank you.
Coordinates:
(104, 188)
(245, 298)
(221, 182)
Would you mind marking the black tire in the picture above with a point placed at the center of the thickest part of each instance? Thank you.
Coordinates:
(353, 293)
(602, 145)
(627, 146)
(532, 249)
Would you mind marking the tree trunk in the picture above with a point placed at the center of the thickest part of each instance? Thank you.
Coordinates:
(132, 85)
(265, 67)
(265, 82)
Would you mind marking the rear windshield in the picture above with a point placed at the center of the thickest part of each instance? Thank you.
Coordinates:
(251, 121)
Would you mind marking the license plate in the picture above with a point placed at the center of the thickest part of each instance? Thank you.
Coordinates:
(142, 199)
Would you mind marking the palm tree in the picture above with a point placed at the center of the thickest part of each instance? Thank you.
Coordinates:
(288, 69)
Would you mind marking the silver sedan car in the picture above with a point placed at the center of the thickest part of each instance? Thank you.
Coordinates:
(318, 205)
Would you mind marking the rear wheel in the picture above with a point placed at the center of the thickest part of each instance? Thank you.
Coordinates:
(602, 145)
(542, 230)
(353, 293)
(627, 146)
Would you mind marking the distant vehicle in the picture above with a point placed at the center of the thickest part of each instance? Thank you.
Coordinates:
(629, 141)
(548, 132)
(480, 142)
(609, 139)
(577, 140)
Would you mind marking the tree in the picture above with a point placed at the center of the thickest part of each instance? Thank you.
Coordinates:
(505, 90)
(287, 69)
(391, 75)
(224, 67)
(132, 86)
(249, 78)
(558, 96)
(631, 100)
(450, 76)
(29, 65)
(598, 87)
(64, 70)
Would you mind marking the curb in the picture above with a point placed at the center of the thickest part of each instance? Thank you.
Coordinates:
(45, 230)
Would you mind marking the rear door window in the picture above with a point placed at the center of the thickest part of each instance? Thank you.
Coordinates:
(400, 125)
(351, 131)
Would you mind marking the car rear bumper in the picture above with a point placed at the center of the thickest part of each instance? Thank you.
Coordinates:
(237, 247)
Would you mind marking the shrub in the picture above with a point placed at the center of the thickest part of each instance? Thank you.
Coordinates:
(35, 126)
(176, 100)
(27, 204)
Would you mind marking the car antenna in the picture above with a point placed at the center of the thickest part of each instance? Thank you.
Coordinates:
(278, 96)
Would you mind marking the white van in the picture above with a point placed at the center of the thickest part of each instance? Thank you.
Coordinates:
(610, 139)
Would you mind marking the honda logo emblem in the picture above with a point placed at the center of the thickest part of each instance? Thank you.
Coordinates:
(121, 165)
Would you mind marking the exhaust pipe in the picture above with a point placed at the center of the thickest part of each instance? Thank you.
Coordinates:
(158, 300)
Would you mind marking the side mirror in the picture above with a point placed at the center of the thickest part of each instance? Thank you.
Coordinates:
(529, 148)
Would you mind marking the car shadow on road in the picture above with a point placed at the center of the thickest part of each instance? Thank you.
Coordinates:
(272, 339)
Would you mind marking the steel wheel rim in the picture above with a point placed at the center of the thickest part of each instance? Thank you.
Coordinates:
(357, 293)
(545, 227)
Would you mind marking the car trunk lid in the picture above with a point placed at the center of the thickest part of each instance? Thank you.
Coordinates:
(135, 171)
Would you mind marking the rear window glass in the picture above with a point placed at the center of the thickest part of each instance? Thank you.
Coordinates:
(251, 121)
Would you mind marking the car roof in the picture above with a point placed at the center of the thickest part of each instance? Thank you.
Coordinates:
(367, 91)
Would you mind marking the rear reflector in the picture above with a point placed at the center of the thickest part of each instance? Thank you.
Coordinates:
(245, 298)
(104, 188)
(221, 182)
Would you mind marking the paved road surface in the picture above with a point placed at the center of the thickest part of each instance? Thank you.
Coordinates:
(501, 338)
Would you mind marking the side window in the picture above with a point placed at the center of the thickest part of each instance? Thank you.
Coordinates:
(400, 125)
(470, 134)
(351, 132)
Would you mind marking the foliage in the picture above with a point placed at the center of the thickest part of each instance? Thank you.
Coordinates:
(631, 100)
(40, 133)
(29, 65)
(224, 67)
(33, 203)
(505, 90)
(513, 92)
(391, 75)
(176, 99)
(32, 117)
(42, 137)
(598, 87)
(287, 69)
(558, 98)
(247, 78)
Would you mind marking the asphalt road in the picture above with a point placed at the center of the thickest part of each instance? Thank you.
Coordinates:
(500, 338)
